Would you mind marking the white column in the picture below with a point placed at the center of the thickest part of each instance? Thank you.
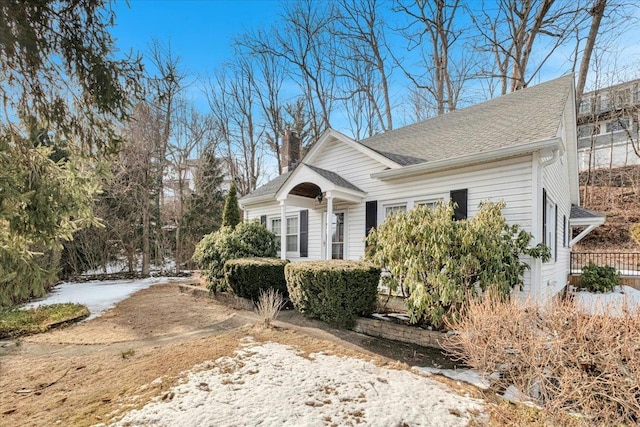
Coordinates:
(329, 220)
(283, 229)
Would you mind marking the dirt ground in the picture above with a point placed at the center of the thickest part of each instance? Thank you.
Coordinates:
(89, 373)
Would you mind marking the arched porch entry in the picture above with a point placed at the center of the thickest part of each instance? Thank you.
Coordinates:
(317, 190)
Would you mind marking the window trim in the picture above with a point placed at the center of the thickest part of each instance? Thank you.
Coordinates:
(550, 229)
(272, 218)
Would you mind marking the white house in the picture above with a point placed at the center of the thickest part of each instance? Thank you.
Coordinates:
(520, 148)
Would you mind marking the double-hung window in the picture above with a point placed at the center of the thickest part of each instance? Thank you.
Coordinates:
(292, 232)
(395, 208)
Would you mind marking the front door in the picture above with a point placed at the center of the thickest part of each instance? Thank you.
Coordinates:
(337, 235)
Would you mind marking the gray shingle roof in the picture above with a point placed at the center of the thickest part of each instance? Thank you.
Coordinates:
(333, 177)
(270, 187)
(524, 116)
(580, 212)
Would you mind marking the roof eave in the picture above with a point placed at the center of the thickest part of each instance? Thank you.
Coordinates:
(467, 159)
(247, 201)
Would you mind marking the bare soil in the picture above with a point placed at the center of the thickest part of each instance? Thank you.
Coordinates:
(91, 372)
(615, 193)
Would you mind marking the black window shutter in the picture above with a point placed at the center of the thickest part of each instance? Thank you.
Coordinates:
(263, 220)
(544, 216)
(459, 198)
(304, 233)
(564, 231)
(371, 216)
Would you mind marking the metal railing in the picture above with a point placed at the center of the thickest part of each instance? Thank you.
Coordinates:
(627, 263)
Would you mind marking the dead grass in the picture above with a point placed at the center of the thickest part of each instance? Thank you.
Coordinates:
(565, 361)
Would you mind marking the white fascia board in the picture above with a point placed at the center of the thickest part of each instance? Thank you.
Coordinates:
(581, 222)
(467, 159)
(331, 134)
(250, 201)
(348, 195)
(300, 202)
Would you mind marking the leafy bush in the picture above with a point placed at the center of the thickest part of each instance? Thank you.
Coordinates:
(334, 291)
(559, 357)
(248, 239)
(599, 279)
(440, 261)
(249, 277)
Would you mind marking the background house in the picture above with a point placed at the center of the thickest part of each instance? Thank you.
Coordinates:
(608, 126)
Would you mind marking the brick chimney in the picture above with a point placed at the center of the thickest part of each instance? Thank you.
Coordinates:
(290, 150)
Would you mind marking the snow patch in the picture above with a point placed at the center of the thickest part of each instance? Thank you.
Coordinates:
(615, 302)
(273, 385)
(98, 296)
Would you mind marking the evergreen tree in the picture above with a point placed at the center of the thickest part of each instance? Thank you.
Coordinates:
(204, 214)
(58, 78)
(231, 213)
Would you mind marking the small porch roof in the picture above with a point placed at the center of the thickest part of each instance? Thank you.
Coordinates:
(582, 217)
(309, 182)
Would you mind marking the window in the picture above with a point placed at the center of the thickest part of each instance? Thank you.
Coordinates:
(430, 203)
(391, 209)
(585, 106)
(549, 226)
(587, 130)
(618, 125)
(337, 236)
(292, 232)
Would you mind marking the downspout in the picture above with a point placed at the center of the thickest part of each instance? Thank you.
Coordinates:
(536, 274)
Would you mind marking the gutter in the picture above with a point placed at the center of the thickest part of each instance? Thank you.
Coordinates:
(255, 200)
(470, 159)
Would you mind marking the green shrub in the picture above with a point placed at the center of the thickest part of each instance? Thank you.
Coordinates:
(599, 279)
(248, 239)
(249, 277)
(334, 291)
(439, 261)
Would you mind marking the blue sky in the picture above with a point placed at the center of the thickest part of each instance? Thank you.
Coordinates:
(200, 32)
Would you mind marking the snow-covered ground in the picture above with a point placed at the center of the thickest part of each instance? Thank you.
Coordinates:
(614, 302)
(98, 296)
(274, 385)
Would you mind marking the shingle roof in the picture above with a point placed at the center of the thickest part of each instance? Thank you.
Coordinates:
(580, 212)
(270, 187)
(524, 116)
(333, 177)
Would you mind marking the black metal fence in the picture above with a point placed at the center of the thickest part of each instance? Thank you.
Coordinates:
(627, 263)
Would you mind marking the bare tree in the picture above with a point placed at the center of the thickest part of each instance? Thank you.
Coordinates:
(165, 87)
(233, 101)
(304, 39)
(445, 66)
(193, 132)
(363, 60)
(512, 32)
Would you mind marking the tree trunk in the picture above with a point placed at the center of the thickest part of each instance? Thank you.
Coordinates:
(145, 238)
(596, 12)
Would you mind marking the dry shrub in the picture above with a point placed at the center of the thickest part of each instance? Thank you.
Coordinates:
(269, 305)
(563, 359)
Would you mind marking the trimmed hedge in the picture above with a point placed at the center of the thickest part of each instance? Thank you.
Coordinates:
(333, 291)
(249, 276)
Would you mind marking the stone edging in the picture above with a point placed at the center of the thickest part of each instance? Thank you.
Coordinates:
(396, 332)
(372, 327)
